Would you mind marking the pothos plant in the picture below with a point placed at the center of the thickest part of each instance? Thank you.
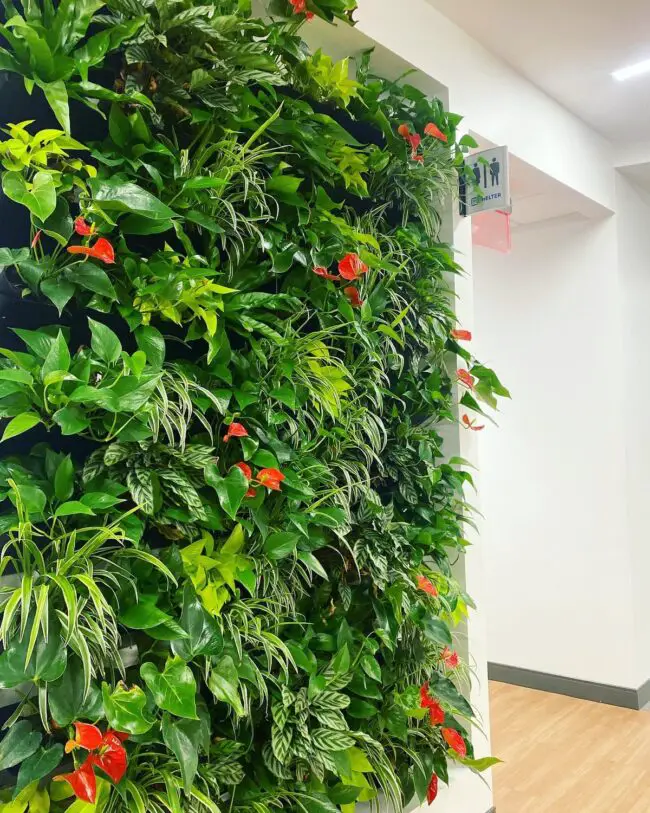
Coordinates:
(228, 515)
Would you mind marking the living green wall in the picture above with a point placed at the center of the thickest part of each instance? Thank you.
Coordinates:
(229, 520)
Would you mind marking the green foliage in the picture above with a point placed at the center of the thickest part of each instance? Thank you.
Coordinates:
(248, 566)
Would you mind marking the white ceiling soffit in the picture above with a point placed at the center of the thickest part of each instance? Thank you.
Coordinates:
(569, 48)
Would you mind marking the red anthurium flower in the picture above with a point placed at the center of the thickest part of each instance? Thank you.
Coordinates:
(235, 430)
(353, 295)
(415, 156)
(271, 478)
(323, 272)
(432, 790)
(450, 657)
(436, 713)
(455, 741)
(427, 586)
(433, 130)
(465, 378)
(461, 335)
(82, 781)
(248, 472)
(425, 698)
(251, 493)
(83, 228)
(414, 140)
(471, 424)
(37, 237)
(102, 250)
(86, 736)
(404, 130)
(110, 757)
(351, 267)
(300, 7)
(122, 736)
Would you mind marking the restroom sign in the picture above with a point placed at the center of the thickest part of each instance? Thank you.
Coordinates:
(487, 182)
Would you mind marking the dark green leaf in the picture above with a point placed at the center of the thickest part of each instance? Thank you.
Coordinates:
(38, 765)
(19, 743)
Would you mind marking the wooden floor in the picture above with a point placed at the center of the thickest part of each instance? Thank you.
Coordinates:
(568, 756)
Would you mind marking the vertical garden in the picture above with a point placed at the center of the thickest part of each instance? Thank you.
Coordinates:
(228, 350)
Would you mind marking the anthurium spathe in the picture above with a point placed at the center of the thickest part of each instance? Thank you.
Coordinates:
(432, 789)
(352, 267)
(82, 781)
(270, 478)
(455, 741)
(246, 469)
(434, 131)
(111, 756)
(86, 736)
(101, 250)
(353, 296)
(436, 712)
(300, 7)
(450, 658)
(324, 273)
(82, 227)
(471, 423)
(235, 430)
(461, 335)
(427, 586)
(466, 379)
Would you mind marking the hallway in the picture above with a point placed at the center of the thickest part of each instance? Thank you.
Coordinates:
(563, 755)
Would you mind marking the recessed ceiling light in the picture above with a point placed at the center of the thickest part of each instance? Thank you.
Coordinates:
(633, 70)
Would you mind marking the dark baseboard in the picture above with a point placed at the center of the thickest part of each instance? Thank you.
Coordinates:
(582, 689)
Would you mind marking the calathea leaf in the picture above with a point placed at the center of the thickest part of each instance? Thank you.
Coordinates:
(144, 487)
(326, 739)
(281, 739)
(173, 689)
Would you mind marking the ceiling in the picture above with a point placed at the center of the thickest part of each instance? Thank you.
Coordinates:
(569, 48)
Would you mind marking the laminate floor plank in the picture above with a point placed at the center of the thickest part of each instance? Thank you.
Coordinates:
(563, 755)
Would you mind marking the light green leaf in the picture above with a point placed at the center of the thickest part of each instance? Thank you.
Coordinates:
(21, 423)
(173, 689)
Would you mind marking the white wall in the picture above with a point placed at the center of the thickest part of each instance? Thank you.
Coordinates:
(633, 223)
(496, 101)
(559, 569)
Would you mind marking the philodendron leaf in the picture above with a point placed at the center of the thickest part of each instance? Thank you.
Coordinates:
(224, 684)
(39, 196)
(231, 489)
(38, 765)
(19, 743)
(173, 689)
(203, 633)
(183, 737)
(66, 697)
(125, 709)
(47, 663)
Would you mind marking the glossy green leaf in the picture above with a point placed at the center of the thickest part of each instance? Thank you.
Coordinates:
(203, 632)
(224, 684)
(230, 489)
(39, 196)
(66, 697)
(125, 709)
(104, 342)
(279, 545)
(39, 764)
(21, 423)
(115, 195)
(19, 743)
(173, 689)
(183, 738)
